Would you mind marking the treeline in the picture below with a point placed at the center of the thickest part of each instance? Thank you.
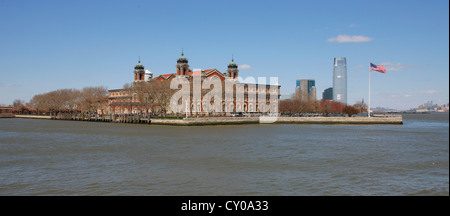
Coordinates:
(87, 100)
(149, 97)
(294, 107)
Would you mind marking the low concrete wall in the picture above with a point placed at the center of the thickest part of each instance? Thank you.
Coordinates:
(33, 116)
(281, 120)
(342, 120)
(207, 121)
(6, 115)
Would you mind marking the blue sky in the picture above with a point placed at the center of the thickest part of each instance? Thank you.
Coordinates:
(49, 45)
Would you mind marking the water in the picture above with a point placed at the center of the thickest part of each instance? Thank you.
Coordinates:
(47, 157)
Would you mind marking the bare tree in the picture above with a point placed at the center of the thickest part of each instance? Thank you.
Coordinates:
(361, 106)
(145, 95)
(128, 99)
(327, 106)
(18, 104)
(350, 110)
(70, 100)
(162, 95)
(38, 103)
(93, 98)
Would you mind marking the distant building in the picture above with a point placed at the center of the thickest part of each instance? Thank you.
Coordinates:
(327, 94)
(148, 75)
(305, 89)
(431, 107)
(6, 110)
(340, 80)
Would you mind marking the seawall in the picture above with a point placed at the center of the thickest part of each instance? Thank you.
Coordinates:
(391, 119)
(6, 115)
(281, 120)
(33, 116)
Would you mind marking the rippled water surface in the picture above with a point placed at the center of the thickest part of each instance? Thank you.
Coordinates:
(49, 157)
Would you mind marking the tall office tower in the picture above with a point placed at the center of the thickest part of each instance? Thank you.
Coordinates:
(340, 80)
(305, 89)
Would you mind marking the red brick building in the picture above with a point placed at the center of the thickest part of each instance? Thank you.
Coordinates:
(6, 110)
(125, 102)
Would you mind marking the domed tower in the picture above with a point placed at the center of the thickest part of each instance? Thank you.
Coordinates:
(182, 65)
(232, 70)
(139, 71)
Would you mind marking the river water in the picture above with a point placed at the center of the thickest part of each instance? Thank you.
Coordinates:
(53, 157)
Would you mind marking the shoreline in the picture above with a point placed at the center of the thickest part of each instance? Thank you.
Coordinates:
(392, 119)
(278, 120)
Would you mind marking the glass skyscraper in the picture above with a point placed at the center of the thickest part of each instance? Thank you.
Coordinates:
(305, 89)
(327, 94)
(340, 80)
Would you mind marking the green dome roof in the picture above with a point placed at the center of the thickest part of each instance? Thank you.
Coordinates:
(232, 63)
(139, 65)
(182, 57)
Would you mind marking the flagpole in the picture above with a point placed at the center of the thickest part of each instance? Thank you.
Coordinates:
(368, 110)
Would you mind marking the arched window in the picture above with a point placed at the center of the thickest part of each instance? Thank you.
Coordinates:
(204, 106)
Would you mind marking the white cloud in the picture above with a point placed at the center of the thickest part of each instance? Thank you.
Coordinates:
(350, 39)
(429, 92)
(352, 25)
(393, 66)
(397, 66)
(8, 85)
(406, 95)
(244, 67)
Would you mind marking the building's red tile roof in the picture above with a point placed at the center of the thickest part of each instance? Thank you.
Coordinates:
(166, 76)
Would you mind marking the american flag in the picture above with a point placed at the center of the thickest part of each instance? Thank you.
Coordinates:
(379, 68)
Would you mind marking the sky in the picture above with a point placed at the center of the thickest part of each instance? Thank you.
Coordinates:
(50, 45)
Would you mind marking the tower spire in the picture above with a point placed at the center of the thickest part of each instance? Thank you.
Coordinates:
(182, 65)
(139, 71)
(232, 70)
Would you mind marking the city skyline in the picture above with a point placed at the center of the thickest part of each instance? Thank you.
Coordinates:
(51, 45)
